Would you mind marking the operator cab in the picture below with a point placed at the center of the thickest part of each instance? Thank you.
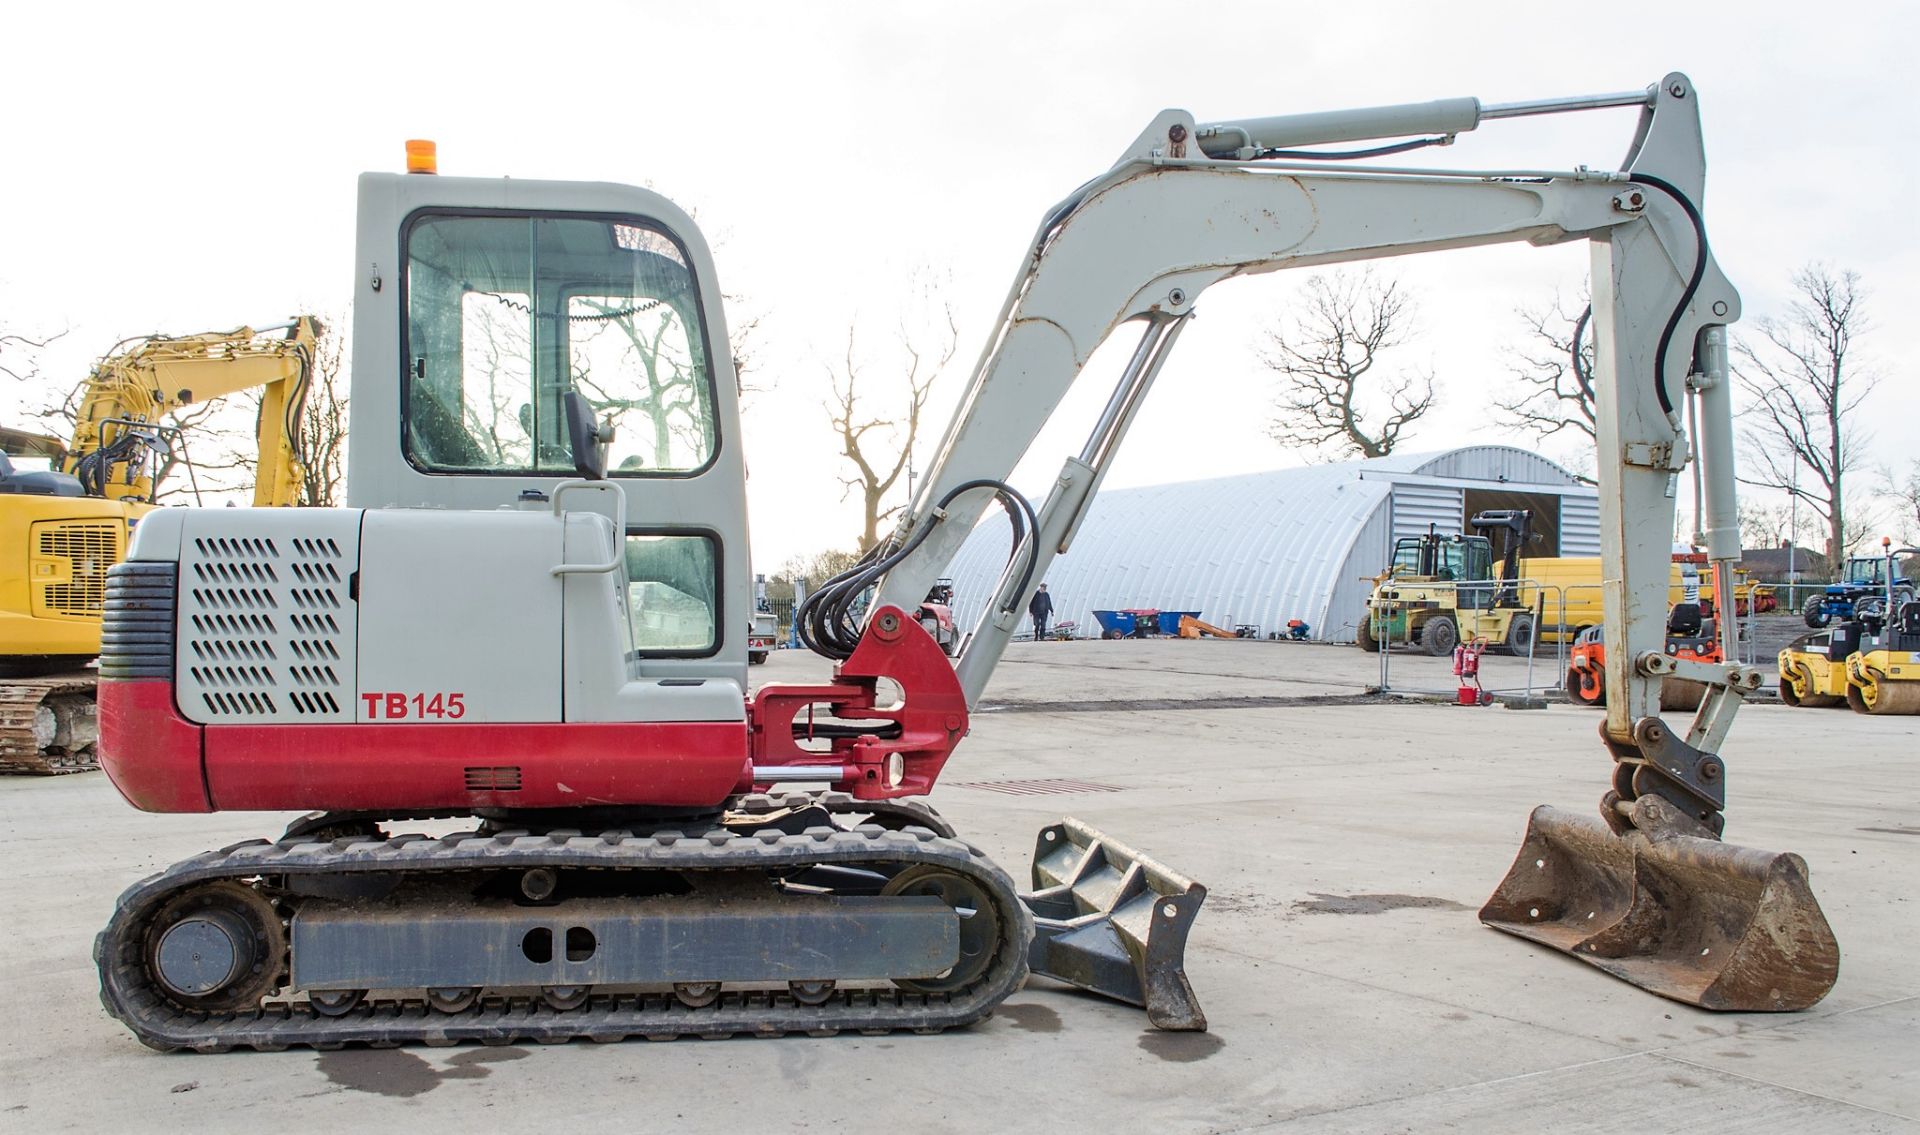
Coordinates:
(1867, 569)
(36, 482)
(482, 306)
(1447, 558)
(1464, 560)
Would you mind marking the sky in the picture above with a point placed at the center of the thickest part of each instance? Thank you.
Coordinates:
(183, 168)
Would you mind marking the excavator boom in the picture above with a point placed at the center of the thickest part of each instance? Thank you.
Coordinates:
(1660, 310)
(130, 392)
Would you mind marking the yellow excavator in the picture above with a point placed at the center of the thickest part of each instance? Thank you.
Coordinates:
(61, 528)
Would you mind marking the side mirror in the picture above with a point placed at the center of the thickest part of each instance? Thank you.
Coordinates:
(587, 439)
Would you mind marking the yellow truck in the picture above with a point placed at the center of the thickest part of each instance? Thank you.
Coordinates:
(1568, 592)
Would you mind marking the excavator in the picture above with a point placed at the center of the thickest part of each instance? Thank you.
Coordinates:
(65, 526)
(620, 863)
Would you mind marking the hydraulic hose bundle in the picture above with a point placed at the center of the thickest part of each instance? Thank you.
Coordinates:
(95, 470)
(827, 621)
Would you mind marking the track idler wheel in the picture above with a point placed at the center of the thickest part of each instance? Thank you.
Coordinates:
(452, 1000)
(217, 947)
(811, 992)
(979, 924)
(565, 998)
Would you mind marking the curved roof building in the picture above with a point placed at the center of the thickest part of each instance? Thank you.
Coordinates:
(1264, 548)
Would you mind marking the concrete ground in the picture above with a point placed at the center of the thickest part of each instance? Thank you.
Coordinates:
(1349, 985)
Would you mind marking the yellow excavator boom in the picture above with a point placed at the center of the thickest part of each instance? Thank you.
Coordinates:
(130, 391)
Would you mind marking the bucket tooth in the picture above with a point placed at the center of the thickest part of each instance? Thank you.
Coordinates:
(1112, 921)
(1692, 919)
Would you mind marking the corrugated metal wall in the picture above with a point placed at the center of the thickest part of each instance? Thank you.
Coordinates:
(1372, 550)
(1261, 548)
(1580, 525)
(1264, 548)
(1416, 506)
(1478, 463)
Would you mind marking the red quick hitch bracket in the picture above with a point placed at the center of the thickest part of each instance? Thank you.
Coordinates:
(839, 734)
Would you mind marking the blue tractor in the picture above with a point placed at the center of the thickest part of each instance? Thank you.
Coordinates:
(1862, 592)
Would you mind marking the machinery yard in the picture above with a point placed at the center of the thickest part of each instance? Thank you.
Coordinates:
(1346, 845)
(459, 787)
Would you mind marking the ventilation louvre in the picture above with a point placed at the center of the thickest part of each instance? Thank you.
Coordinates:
(268, 624)
(493, 778)
(89, 549)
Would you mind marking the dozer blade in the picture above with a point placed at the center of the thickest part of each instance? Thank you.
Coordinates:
(1693, 919)
(1110, 920)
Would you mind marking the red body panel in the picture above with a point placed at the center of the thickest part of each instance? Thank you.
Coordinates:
(150, 752)
(162, 762)
(415, 767)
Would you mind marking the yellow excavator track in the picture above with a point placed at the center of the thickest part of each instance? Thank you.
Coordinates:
(47, 725)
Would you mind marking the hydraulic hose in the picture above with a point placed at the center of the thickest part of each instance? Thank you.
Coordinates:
(1580, 372)
(1686, 297)
(827, 621)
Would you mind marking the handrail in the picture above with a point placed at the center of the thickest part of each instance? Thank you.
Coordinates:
(619, 559)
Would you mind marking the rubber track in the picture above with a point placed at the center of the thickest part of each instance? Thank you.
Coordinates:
(19, 754)
(159, 1023)
(900, 812)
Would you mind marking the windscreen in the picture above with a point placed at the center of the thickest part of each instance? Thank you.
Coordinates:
(506, 314)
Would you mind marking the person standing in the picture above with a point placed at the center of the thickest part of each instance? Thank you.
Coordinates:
(1041, 608)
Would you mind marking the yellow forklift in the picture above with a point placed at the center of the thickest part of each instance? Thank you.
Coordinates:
(1442, 589)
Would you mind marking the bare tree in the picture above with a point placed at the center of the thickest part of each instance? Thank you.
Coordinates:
(323, 427)
(673, 399)
(742, 334)
(20, 355)
(1904, 492)
(231, 459)
(1764, 525)
(815, 569)
(1324, 356)
(1553, 367)
(879, 443)
(1805, 390)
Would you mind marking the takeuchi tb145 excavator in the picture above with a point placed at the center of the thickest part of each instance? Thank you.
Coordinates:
(63, 528)
(555, 646)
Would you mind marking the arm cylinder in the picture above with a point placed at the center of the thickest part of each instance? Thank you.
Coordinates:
(1721, 522)
(1442, 116)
